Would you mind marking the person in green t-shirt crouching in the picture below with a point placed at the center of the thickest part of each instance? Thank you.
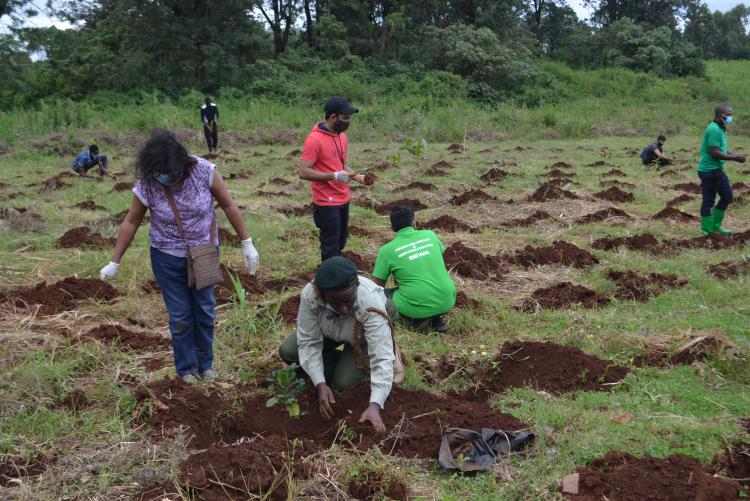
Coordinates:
(424, 290)
(714, 153)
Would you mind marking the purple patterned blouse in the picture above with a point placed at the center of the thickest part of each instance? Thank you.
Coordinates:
(194, 203)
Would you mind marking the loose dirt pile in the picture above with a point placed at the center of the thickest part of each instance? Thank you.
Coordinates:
(225, 290)
(598, 163)
(62, 296)
(289, 308)
(538, 215)
(645, 242)
(561, 165)
(455, 148)
(622, 477)
(123, 186)
(109, 334)
(713, 241)
(89, 205)
(735, 463)
(373, 485)
(672, 214)
(15, 467)
(150, 286)
(464, 302)
(693, 188)
(560, 252)
(82, 237)
(358, 231)
(604, 214)
(635, 286)
(680, 200)
(493, 175)
(614, 172)
(363, 263)
(558, 173)
(549, 191)
(729, 269)
(614, 183)
(468, 262)
(439, 169)
(386, 207)
(305, 210)
(416, 185)
(615, 194)
(564, 295)
(53, 183)
(560, 182)
(447, 223)
(228, 238)
(471, 196)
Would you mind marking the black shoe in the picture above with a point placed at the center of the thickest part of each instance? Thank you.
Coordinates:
(439, 325)
(421, 325)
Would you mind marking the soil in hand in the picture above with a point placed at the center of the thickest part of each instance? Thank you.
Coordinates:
(374, 485)
(729, 269)
(691, 187)
(89, 205)
(83, 237)
(615, 194)
(680, 200)
(15, 467)
(635, 286)
(416, 185)
(560, 252)
(493, 175)
(523, 222)
(386, 207)
(564, 295)
(447, 223)
(604, 214)
(116, 334)
(363, 263)
(549, 191)
(471, 195)
(623, 477)
(471, 263)
(62, 296)
(672, 214)
(645, 242)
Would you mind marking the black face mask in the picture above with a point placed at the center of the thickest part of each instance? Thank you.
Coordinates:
(341, 125)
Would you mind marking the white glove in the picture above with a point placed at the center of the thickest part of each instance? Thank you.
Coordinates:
(341, 176)
(109, 271)
(250, 256)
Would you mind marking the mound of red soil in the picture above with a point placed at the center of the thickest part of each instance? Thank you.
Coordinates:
(228, 238)
(62, 296)
(305, 210)
(560, 182)
(645, 242)
(150, 286)
(559, 173)
(614, 172)
(740, 186)
(289, 308)
(386, 207)
(89, 205)
(297, 281)
(471, 263)
(109, 334)
(15, 467)
(603, 215)
(560, 252)
(439, 169)
(598, 163)
(693, 188)
(494, 174)
(635, 286)
(672, 214)
(416, 185)
(735, 463)
(447, 223)
(361, 232)
(455, 148)
(277, 181)
(729, 269)
(373, 485)
(53, 183)
(615, 194)
(561, 165)
(549, 191)
(363, 263)
(82, 237)
(622, 477)
(564, 295)
(528, 221)
(679, 200)
(238, 175)
(617, 184)
(124, 186)
(713, 241)
(464, 302)
(225, 290)
(469, 196)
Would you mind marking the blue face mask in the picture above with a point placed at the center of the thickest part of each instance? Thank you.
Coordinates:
(166, 179)
(728, 120)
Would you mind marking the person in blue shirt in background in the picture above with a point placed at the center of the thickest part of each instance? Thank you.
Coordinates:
(88, 159)
(653, 154)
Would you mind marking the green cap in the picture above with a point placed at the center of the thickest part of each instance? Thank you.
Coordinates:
(336, 273)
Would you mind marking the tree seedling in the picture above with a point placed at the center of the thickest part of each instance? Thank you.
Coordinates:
(287, 386)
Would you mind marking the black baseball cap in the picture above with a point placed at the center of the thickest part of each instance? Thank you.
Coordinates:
(339, 106)
(336, 273)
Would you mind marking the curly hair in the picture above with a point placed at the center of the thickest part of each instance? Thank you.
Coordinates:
(163, 154)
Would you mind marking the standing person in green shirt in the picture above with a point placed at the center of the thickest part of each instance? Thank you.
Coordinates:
(714, 153)
(424, 290)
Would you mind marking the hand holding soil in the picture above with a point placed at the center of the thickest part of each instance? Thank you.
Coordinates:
(372, 414)
(367, 179)
(325, 399)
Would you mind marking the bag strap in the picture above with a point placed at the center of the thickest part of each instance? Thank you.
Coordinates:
(173, 206)
(355, 338)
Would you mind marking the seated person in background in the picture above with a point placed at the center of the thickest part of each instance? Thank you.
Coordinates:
(88, 159)
(424, 289)
(654, 153)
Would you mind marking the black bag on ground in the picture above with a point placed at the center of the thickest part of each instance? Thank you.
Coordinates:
(469, 451)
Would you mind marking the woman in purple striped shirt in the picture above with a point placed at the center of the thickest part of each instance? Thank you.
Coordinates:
(164, 164)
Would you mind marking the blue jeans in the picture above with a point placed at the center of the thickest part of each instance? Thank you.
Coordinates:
(714, 182)
(191, 314)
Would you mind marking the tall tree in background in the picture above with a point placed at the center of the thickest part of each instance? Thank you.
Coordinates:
(648, 13)
(719, 35)
(280, 16)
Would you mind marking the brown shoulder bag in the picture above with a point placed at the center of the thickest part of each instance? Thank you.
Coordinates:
(398, 359)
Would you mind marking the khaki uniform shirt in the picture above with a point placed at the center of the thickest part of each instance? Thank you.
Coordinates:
(314, 322)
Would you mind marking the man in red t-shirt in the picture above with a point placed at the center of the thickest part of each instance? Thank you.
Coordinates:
(323, 163)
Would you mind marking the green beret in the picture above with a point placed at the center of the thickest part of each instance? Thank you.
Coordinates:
(336, 273)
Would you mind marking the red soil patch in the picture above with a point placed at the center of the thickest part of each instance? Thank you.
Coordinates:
(439, 169)
(469, 196)
(124, 186)
(386, 207)
(363, 263)
(447, 223)
(603, 215)
(559, 173)
(713, 241)
(464, 302)
(740, 186)
(62, 296)
(598, 163)
(289, 308)
(561, 165)
(305, 210)
(617, 184)
(680, 200)
(729, 269)
(455, 148)
(672, 214)
(564, 295)
(416, 185)
(549, 191)
(361, 232)
(560, 252)
(622, 477)
(82, 237)
(109, 334)
(735, 463)
(373, 485)
(615, 194)
(614, 172)
(494, 174)
(15, 467)
(538, 215)
(471, 263)
(645, 242)
(228, 238)
(53, 183)
(635, 286)
(560, 182)
(150, 286)
(89, 205)
(277, 181)
(693, 188)
(225, 290)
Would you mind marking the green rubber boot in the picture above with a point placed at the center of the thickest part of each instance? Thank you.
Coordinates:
(718, 216)
(707, 225)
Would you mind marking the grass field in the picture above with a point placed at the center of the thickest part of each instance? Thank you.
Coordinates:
(104, 446)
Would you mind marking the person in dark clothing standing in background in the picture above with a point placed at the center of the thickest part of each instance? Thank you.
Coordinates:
(654, 153)
(210, 120)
